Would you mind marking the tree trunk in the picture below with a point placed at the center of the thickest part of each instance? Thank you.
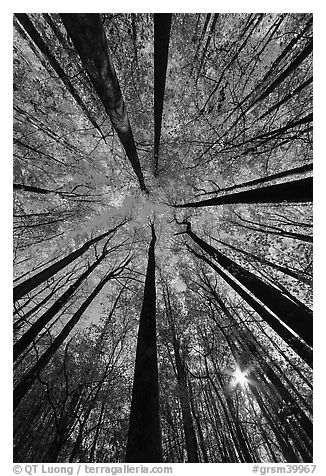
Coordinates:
(287, 311)
(27, 381)
(144, 436)
(289, 455)
(286, 234)
(295, 191)
(302, 170)
(25, 287)
(190, 435)
(162, 26)
(183, 390)
(199, 428)
(88, 36)
(21, 345)
(35, 36)
(286, 98)
(299, 347)
(283, 75)
(290, 272)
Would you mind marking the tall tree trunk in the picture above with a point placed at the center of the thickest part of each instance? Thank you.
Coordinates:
(144, 436)
(299, 58)
(268, 180)
(287, 311)
(299, 347)
(25, 287)
(162, 26)
(286, 98)
(190, 435)
(294, 191)
(88, 36)
(29, 378)
(199, 426)
(300, 276)
(184, 394)
(287, 450)
(273, 230)
(37, 39)
(209, 37)
(91, 458)
(26, 339)
(28, 188)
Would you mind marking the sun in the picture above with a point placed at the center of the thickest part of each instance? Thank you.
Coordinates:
(240, 377)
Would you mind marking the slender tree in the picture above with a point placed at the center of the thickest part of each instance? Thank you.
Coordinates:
(29, 378)
(88, 35)
(287, 311)
(294, 273)
(184, 394)
(268, 180)
(43, 47)
(31, 283)
(302, 349)
(144, 435)
(27, 338)
(162, 26)
(294, 191)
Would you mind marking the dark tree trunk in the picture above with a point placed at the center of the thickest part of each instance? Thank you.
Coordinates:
(285, 447)
(162, 26)
(295, 191)
(190, 435)
(27, 380)
(286, 98)
(21, 345)
(287, 311)
(45, 191)
(88, 36)
(194, 411)
(36, 37)
(290, 46)
(28, 188)
(302, 170)
(184, 393)
(300, 276)
(274, 133)
(299, 347)
(273, 230)
(299, 58)
(144, 436)
(25, 287)
(215, 17)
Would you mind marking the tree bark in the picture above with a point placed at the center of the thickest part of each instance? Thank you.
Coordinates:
(286, 98)
(300, 276)
(26, 339)
(88, 36)
(293, 192)
(299, 58)
(25, 287)
(144, 436)
(287, 311)
(299, 347)
(190, 435)
(29, 378)
(162, 27)
(184, 393)
(268, 180)
(37, 39)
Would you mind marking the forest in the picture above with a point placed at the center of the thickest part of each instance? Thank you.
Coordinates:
(162, 237)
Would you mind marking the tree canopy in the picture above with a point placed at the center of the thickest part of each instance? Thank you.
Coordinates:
(163, 237)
